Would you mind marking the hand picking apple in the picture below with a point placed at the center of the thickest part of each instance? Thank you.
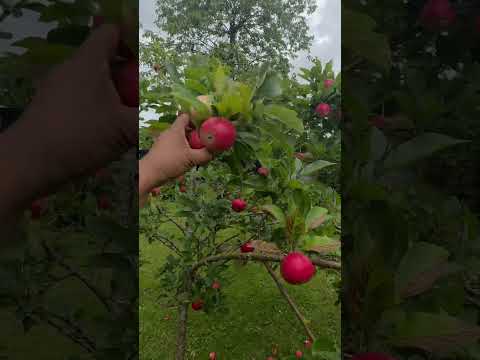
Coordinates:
(77, 122)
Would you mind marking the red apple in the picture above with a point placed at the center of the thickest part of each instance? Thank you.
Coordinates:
(155, 191)
(195, 141)
(372, 356)
(216, 285)
(38, 208)
(103, 202)
(238, 205)
(98, 20)
(126, 82)
(308, 343)
(296, 268)
(378, 121)
(437, 14)
(298, 354)
(323, 109)
(263, 171)
(197, 304)
(218, 134)
(270, 358)
(212, 356)
(182, 188)
(328, 83)
(247, 248)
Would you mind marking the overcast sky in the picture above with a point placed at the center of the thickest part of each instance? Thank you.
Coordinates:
(324, 25)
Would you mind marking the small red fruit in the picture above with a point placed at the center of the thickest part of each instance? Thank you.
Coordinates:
(126, 82)
(296, 268)
(218, 134)
(212, 356)
(323, 109)
(98, 20)
(300, 156)
(328, 83)
(103, 202)
(155, 191)
(195, 141)
(308, 343)
(270, 358)
(216, 285)
(197, 304)
(437, 14)
(38, 208)
(247, 248)
(263, 171)
(372, 356)
(157, 67)
(378, 121)
(182, 188)
(238, 205)
(298, 354)
(181, 179)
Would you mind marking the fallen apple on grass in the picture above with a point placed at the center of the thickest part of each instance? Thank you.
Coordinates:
(197, 305)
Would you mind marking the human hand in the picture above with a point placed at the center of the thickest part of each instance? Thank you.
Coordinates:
(170, 157)
(75, 124)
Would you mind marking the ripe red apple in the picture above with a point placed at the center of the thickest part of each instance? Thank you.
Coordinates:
(308, 343)
(155, 191)
(328, 83)
(323, 109)
(298, 354)
(197, 304)
(247, 248)
(218, 134)
(270, 358)
(103, 202)
(238, 205)
(437, 14)
(372, 356)
(296, 268)
(182, 188)
(216, 285)
(263, 171)
(195, 141)
(126, 82)
(378, 121)
(38, 208)
(98, 20)
(212, 356)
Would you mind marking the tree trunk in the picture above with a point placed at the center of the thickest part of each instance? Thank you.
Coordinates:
(183, 320)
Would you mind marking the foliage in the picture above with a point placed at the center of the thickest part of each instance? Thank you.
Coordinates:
(242, 34)
(409, 242)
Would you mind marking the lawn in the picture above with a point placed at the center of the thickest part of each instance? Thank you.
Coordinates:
(258, 318)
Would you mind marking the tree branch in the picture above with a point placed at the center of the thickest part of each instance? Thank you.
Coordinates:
(290, 301)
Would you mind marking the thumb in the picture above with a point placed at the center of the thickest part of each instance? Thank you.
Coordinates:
(201, 157)
(102, 44)
(182, 122)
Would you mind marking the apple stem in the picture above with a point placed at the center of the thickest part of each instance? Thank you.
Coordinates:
(290, 301)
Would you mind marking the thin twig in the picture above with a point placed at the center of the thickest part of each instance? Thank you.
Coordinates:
(290, 301)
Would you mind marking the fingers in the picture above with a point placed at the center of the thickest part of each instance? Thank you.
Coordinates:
(102, 44)
(182, 122)
(201, 157)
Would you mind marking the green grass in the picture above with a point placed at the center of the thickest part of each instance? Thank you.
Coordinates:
(258, 316)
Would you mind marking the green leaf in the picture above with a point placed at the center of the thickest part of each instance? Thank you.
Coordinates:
(276, 212)
(314, 167)
(419, 148)
(286, 116)
(316, 217)
(321, 244)
(359, 37)
(435, 333)
(271, 87)
(189, 103)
